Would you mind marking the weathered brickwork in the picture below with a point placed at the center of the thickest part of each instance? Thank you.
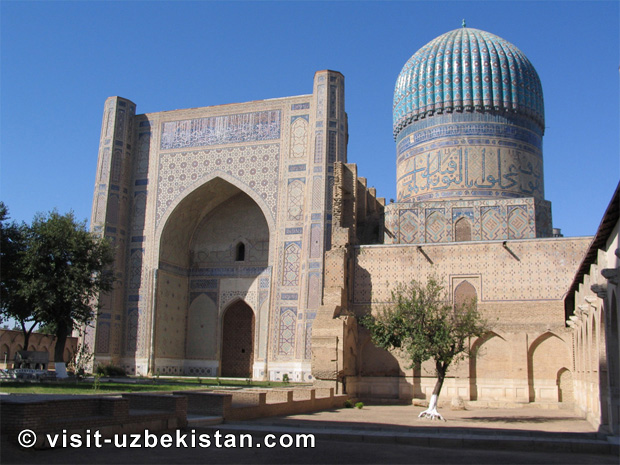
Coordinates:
(13, 341)
(514, 271)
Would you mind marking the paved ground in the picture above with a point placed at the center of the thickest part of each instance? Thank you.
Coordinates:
(375, 434)
(526, 419)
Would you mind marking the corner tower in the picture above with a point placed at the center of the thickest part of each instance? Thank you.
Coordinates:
(468, 123)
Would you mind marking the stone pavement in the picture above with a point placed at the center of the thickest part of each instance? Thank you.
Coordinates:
(377, 434)
(505, 429)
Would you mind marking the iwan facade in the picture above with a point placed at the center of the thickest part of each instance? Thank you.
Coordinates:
(220, 217)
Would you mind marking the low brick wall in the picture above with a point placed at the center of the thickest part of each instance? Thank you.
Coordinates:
(76, 414)
(206, 403)
(136, 412)
(284, 402)
(247, 405)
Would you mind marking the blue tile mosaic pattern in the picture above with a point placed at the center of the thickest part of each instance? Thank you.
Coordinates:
(467, 70)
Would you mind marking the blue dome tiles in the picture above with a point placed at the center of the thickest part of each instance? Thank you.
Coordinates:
(467, 70)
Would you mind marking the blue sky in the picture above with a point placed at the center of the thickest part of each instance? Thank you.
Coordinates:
(61, 60)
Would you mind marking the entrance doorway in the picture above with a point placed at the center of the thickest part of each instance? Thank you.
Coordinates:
(238, 341)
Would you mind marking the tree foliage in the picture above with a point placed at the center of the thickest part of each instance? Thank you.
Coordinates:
(13, 303)
(52, 272)
(64, 265)
(422, 322)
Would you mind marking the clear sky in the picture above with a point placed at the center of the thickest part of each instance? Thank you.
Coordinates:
(61, 60)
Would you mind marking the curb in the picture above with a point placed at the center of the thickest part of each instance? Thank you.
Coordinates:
(486, 441)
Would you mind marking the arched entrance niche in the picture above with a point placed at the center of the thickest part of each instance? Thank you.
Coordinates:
(488, 367)
(547, 357)
(200, 271)
(238, 341)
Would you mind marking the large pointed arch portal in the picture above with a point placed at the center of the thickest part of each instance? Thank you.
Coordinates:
(213, 250)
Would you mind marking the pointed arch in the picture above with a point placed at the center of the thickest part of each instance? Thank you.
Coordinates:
(547, 355)
(240, 252)
(462, 230)
(202, 328)
(464, 293)
(489, 358)
(238, 327)
(216, 187)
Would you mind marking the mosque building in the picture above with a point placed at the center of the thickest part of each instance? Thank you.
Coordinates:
(247, 245)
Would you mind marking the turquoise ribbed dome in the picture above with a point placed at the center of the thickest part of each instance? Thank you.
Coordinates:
(467, 70)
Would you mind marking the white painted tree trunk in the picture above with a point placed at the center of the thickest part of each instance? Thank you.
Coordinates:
(61, 370)
(431, 412)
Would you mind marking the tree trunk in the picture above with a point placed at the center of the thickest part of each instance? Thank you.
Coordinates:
(431, 412)
(27, 333)
(62, 331)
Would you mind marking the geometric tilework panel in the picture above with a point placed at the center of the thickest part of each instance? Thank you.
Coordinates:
(132, 330)
(299, 135)
(255, 166)
(436, 226)
(299, 346)
(105, 165)
(318, 147)
(408, 226)
(135, 269)
(317, 193)
(308, 354)
(316, 237)
(139, 210)
(103, 337)
(314, 290)
(286, 336)
(491, 224)
(290, 273)
(517, 223)
(142, 163)
(295, 199)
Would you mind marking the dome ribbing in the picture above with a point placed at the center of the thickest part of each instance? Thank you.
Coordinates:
(467, 70)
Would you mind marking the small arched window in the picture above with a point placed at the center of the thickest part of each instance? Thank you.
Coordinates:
(240, 252)
(462, 230)
(464, 294)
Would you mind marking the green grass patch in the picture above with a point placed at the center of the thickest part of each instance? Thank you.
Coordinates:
(85, 387)
(137, 385)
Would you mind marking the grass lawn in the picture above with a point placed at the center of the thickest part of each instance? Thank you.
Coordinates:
(132, 385)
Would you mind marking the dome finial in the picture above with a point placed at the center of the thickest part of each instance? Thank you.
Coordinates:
(464, 25)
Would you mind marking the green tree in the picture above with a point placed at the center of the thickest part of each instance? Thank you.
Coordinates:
(13, 303)
(64, 270)
(423, 323)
